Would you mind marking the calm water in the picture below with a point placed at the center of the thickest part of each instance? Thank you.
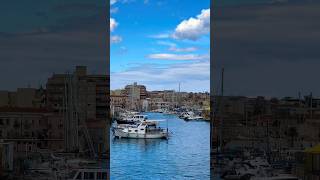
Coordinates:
(184, 156)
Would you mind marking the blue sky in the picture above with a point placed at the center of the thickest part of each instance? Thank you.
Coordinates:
(160, 43)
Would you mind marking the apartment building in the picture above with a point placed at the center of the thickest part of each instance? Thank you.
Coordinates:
(83, 102)
(31, 129)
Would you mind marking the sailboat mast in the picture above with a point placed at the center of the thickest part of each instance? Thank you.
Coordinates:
(221, 109)
(179, 97)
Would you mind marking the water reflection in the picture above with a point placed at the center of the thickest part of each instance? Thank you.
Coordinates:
(144, 144)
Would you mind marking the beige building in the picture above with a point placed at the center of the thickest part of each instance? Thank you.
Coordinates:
(136, 91)
(82, 100)
(118, 101)
(31, 129)
(23, 97)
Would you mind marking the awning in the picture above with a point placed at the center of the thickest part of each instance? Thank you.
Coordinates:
(313, 150)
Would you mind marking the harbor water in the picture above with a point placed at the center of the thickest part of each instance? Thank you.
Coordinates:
(185, 155)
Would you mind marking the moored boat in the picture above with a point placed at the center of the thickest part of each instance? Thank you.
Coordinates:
(141, 130)
(132, 119)
(189, 116)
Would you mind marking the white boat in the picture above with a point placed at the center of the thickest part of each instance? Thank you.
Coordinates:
(132, 119)
(188, 116)
(141, 130)
(159, 110)
(277, 177)
(253, 169)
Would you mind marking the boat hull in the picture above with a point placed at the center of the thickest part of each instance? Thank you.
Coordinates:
(125, 122)
(120, 134)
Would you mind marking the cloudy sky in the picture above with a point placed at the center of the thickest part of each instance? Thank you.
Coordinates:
(160, 44)
(267, 47)
(39, 38)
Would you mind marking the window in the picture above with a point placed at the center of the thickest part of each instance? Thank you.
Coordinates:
(79, 176)
(142, 129)
(104, 175)
(99, 175)
(91, 175)
(135, 130)
(88, 175)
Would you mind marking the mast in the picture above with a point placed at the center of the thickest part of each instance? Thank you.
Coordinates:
(221, 110)
(218, 111)
(167, 126)
(179, 96)
(132, 96)
(311, 113)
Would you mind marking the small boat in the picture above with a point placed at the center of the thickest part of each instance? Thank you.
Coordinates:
(141, 130)
(188, 116)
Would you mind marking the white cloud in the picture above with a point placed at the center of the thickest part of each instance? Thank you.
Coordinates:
(160, 36)
(123, 50)
(166, 43)
(112, 2)
(193, 28)
(114, 10)
(192, 76)
(127, 1)
(173, 47)
(115, 39)
(164, 56)
(187, 49)
(113, 24)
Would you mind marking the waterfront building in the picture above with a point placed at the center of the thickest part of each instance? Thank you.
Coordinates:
(136, 91)
(31, 129)
(146, 104)
(118, 101)
(23, 97)
(134, 95)
(137, 98)
(6, 158)
(82, 100)
(280, 127)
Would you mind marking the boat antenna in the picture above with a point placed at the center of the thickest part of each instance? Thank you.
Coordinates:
(167, 129)
(167, 124)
